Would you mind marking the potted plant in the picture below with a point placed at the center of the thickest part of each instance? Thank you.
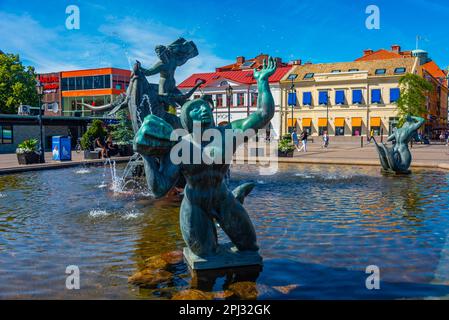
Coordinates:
(285, 147)
(27, 152)
(94, 132)
(123, 134)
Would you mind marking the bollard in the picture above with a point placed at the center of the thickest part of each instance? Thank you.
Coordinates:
(361, 141)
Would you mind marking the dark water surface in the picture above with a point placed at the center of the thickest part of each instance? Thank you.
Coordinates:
(318, 227)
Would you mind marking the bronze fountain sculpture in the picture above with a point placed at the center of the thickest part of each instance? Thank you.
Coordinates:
(207, 200)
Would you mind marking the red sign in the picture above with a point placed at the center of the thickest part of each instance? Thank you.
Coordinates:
(48, 79)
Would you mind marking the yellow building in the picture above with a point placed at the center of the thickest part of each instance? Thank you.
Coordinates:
(346, 99)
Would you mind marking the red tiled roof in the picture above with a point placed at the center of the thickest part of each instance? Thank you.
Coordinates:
(243, 77)
(380, 55)
(435, 71)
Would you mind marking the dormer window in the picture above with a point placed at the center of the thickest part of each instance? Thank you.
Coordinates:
(335, 71)
(309, 75)
(380, 71)
(353, 70)
(399, 70)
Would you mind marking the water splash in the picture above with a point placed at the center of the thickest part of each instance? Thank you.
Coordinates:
(97, 213)
(2, 195)
(82, 171)
(133, 214)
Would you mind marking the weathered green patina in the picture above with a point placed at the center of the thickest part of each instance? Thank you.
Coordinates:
(398, 158)
(207, 199)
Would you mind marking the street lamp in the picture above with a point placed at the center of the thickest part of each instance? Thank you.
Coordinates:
(229, 96)
(40, 90)
(292, 95)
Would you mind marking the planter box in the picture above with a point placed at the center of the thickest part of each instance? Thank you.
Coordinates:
(288, 154)
(28, 158)
(91, 154)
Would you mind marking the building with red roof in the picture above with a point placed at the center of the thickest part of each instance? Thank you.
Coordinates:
(234, 90)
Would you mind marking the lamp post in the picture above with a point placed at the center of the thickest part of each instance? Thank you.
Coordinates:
(40, 89)
(292, 101)
(229, 96)
(327, 113)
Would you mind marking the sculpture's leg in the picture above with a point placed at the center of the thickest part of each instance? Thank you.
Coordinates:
(198, 229)
(235, 222)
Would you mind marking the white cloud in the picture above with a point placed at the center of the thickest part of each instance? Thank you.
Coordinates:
(118, 43)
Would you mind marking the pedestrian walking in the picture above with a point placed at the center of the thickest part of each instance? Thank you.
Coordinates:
(295, 139)
(303, 141)
(325, 140)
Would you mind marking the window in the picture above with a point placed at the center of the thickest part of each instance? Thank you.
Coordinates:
(5, 134)
(394, 94)
(254, 97)
(79, 83)
(357, 96)
(98, 82)
(107, 81)
(219, 100)
(247, 64)
(88, 83)
(64, 84)
(309, 75)
(340, 97)
(400, 70)
(307, 98)
(376, 96)
(72, 84)
(291, 99)
(353, 70)
(292, 76)
(339, 126)
(356, 126)
(322, 97)
(380, 71)
(335, 71)
(240, 99)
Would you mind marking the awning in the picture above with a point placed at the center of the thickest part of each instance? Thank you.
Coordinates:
(356, 122)
(339, 122)
(375, 122)
(291, 122)
(307, 122)
(322, 122)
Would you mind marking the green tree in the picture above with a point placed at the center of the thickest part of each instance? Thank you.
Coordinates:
(414, 90)
(17, 84)
(123, 132)
(96, 130)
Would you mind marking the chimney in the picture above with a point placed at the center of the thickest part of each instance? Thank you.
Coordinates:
(396, 48)
(297, 62)
(240, 60)
(367, 52)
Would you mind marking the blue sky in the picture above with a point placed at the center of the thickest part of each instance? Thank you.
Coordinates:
(115, 33)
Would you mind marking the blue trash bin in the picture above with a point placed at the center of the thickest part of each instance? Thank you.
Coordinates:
(61, 147)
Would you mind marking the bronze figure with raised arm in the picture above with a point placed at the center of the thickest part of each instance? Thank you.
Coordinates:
(207, 199)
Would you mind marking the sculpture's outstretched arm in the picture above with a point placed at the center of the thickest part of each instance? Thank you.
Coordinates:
(391, 137)
(265, 102)
(157, 68)
(419, 122)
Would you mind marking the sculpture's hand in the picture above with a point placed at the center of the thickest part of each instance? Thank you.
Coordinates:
(153, 137)
(266, 71)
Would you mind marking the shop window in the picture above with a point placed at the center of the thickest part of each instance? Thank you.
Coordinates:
(107, 81)
(308, 130)
(254, 97)
(339, 131)
(240, 99)
(356, 131)
(219, 100)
